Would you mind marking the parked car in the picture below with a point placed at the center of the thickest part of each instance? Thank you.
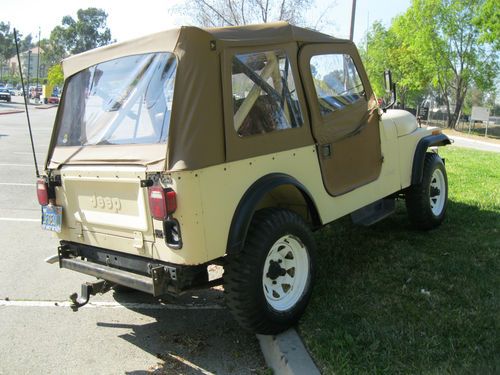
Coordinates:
(5, 95)
(227, 146)
(53, 100)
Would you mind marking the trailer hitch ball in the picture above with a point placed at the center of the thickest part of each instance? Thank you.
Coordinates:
(88, 289)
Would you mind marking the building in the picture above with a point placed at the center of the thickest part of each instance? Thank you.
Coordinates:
(28, 59)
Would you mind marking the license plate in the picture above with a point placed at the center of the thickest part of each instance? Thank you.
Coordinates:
(52, 218)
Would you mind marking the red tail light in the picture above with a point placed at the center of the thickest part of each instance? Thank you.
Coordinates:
(162, 202)
(42, 192)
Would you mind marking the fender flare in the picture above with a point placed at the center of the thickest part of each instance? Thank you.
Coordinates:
(248, 204)
(418, 159)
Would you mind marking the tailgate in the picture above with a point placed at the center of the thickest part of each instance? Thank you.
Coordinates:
(107, 207)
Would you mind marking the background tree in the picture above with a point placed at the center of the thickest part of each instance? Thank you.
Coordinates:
(25, 43)
(385, 49)
(437, 45)
(211, 13)
(88, 31)
(54, 48)
(55, 76)
(488, 22)
(8, 47)
(445, 32)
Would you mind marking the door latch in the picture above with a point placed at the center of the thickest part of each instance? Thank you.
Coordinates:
(326, 151)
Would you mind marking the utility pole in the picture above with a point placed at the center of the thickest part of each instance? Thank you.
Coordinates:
(38, 62)
(29, 67)
(353, 16)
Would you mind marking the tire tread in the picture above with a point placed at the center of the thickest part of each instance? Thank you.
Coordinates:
(241, 287)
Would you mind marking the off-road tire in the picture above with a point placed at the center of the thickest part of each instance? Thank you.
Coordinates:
(425, 211)
(245, 282)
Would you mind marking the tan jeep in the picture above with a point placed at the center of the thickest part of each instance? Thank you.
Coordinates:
(227, 146)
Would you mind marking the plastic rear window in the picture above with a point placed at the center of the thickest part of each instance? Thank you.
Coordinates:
(123, 101)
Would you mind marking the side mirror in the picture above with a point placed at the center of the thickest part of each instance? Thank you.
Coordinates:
(388, 81)
(390, 88)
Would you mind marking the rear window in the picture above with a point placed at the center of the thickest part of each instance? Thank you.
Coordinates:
(122, 101)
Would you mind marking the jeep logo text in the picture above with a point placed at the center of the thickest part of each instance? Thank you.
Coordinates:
(107, 203)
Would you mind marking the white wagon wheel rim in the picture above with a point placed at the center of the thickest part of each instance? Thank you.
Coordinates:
(437, 192)
(286, 273)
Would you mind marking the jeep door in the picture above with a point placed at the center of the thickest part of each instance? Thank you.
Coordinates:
(344, 115)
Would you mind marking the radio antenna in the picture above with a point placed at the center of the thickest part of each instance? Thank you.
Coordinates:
(25, 103)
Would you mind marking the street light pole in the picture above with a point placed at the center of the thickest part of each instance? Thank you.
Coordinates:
(28, 79)
(38, 62)
(353, 16)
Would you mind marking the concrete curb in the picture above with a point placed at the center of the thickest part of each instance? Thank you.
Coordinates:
(46, 106)
(286, 354)
(8, 112)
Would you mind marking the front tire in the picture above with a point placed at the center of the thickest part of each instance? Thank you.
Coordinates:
(269, 283)
(426, 202)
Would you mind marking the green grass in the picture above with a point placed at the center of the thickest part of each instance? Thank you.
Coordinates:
(389, 299)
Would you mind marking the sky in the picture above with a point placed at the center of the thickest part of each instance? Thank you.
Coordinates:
(131, 19)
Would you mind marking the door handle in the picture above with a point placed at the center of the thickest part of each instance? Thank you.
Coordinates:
(326, 151)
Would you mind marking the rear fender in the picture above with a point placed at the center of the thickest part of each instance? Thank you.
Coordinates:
(250, 201)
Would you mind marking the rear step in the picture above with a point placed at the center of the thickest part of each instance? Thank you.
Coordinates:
(136, 272)
(156, 285)
(374, 212)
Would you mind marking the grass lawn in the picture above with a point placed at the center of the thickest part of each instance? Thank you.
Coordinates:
(389, 299)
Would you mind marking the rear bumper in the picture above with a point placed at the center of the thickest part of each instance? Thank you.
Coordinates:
(140, 273)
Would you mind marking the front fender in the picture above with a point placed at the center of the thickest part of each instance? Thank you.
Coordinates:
(422, 146)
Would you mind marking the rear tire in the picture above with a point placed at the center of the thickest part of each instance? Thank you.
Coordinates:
(427, 201)
(269, 283)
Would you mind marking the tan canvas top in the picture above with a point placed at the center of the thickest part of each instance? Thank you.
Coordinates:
(249, 35)
(196, 137)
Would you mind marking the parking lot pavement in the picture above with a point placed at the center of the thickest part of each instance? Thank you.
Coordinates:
(129, 333)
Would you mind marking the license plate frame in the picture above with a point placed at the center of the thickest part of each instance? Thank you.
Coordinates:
(52, 218)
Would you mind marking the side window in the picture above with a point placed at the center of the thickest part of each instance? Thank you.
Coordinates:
(336, 81)
(264, 95)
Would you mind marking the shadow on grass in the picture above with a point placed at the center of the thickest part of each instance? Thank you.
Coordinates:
(191, 341)
(389, 299)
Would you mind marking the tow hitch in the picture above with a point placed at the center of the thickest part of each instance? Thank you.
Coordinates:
(88, 289)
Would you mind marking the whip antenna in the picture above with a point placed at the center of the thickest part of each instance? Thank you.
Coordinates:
(25, 103)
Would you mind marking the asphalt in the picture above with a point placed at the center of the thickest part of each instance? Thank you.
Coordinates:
(130, 333)
(475, 144)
